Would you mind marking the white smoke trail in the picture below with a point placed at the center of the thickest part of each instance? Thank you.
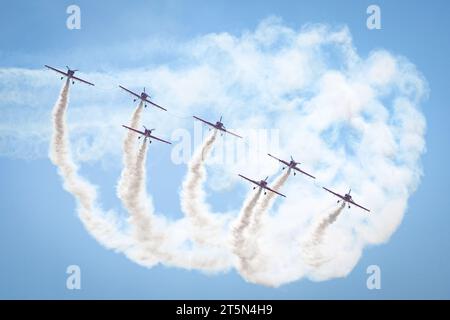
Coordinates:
(158, 242)
(239, 237)
(267, 202)
(103, 227)
(322, 227)
(249, 230)
(128, 154)
(206, 227)
(311, 249)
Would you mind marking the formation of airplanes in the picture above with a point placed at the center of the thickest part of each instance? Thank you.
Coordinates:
(147, 135)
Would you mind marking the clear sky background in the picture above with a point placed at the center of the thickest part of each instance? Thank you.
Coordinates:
(41, 234)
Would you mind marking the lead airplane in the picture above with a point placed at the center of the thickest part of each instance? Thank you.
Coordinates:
(69, 74)
(144, 97)
(292, 164)
(347, 198)
(218, 125)
(147, 134)
(262, 184)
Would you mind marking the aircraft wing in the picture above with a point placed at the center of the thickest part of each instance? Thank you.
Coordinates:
(355, 204)
(299, 170)
(248, 179)
(129, 91)
(140, 132)
(336, 194)
(280, 194)
(156, 138)
(204, 121)
(282, 161)
(78, 79)
(234, 134)
(158, 106)
(54, 69)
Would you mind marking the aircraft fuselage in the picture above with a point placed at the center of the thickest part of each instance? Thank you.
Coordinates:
(219, 125)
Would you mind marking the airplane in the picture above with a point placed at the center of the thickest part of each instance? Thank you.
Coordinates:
(144, 97)
(291, 165)
(147, 134)
(262, 184)
(347, 198)
(69, 74)
(218, 125)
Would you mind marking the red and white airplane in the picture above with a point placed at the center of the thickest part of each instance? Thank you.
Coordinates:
(218, 125)
(291, 165)
(147, 134)
(262, 184)
(69, 74)
(144, 97)
(347, 198)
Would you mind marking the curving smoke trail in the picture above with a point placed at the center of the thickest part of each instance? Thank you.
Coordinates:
(322, 227)
(103, 227)
(128, 148)
(239, 243)
(250, 258)
(267, 202)
(312, 248)
(205, 225)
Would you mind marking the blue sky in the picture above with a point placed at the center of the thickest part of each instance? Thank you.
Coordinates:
(41, 234)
